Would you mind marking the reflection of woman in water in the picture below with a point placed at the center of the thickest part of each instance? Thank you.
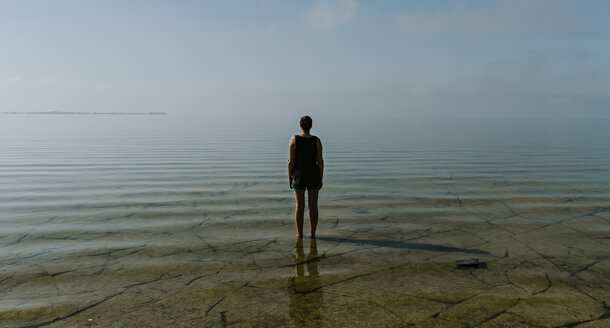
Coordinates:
(305, 294)
(305, 171)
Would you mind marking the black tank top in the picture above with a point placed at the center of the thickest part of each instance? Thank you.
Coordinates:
(306, 169)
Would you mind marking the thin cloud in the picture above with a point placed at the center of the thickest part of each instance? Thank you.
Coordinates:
(326, 14)
(507, 18)
(48, 82)
(103, 87)
(12, 81)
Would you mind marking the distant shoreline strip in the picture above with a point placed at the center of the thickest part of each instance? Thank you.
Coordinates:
(81, 113)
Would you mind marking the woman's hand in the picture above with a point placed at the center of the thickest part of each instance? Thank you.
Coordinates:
(290, 182)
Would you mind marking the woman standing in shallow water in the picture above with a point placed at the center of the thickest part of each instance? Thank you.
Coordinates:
(305, 172)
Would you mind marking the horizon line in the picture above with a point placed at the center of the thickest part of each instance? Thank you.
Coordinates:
(82, 113)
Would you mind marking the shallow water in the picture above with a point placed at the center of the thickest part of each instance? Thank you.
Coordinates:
(156, 220)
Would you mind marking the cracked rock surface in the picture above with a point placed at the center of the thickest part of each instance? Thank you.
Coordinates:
(392, 268)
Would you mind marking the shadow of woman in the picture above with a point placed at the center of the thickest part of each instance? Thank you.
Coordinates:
(305, 291)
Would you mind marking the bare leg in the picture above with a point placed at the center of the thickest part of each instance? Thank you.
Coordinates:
(312, 196)
(299, 197)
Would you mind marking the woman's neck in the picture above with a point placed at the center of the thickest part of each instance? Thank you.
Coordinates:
(305, 134)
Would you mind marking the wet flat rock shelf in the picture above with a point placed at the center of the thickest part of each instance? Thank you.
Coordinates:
(360, 272)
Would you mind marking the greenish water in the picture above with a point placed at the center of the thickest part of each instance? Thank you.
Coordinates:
(158, 220)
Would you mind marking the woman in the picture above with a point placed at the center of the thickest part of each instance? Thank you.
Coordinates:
(305, 172)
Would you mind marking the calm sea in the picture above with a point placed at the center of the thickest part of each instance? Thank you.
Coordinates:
(72, 186)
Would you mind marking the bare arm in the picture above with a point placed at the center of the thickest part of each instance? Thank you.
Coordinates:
(320, 159)
(291, 149)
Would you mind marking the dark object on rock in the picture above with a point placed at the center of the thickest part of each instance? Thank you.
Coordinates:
(467, 262)
(470, 264)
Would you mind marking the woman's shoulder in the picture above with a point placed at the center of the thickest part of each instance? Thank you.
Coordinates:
(310, 137)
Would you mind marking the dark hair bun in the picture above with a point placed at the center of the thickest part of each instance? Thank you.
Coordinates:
(306, 123)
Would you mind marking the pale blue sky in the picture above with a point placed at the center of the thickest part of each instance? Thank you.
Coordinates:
(523, 58)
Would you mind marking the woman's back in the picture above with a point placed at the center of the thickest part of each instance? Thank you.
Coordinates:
(306, 150)
(307, 171)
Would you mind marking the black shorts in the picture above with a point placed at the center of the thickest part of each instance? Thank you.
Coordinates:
(299, 187)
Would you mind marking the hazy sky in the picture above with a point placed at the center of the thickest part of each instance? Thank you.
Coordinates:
(395, 58)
